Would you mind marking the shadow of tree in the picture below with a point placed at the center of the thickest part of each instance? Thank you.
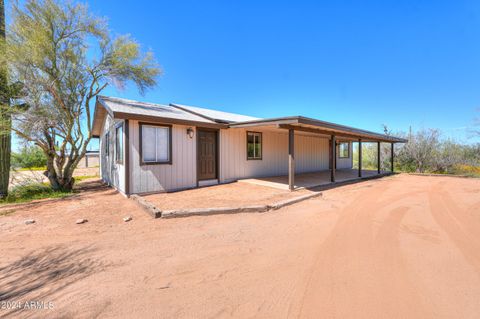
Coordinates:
(41, 275)
(92, 185)
(85, 189)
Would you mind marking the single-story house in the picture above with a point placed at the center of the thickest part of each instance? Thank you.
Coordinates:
(91, 159)
(148, 148)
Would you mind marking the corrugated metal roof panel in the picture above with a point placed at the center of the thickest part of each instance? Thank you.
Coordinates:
(214, 115)
(119, 105)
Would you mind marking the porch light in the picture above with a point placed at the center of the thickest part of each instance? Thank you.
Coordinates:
(190, 132)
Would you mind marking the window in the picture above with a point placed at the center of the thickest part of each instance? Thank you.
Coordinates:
(119, 143)
(344, 150)
(254, 146)
(106, 144)
(156, 144)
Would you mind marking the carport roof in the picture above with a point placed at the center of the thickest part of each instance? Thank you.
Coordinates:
(307, 124)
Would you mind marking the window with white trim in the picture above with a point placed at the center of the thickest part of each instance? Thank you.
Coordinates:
(254, 145)
(106, 143)
(119, 144)
(344, 150)
(156, 144)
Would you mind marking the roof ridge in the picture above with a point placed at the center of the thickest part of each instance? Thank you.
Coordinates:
(125, 101)
(196, 113)
(216, 115)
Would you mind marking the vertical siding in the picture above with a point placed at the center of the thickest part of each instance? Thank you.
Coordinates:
(311, 154)
(182, 173)
(345, 162)
(111, 172)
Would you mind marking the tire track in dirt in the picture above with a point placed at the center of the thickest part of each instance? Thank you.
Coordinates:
(361, 269)
(457, 223)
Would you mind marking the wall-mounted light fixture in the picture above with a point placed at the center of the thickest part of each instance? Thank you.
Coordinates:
(190, 132)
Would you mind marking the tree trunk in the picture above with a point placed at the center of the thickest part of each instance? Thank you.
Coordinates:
(63, 182)
(5, 120)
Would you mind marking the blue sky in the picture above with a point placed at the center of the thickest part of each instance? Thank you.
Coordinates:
(359, 63)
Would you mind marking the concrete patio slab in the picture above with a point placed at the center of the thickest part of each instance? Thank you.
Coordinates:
(312, 180)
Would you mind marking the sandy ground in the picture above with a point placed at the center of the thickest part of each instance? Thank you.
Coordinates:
(21, 177)
(227, 195)
(398, 247)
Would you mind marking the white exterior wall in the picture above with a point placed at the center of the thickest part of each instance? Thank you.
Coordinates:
(111, 172)
(345, 162)
(181, 174)
(311, 154)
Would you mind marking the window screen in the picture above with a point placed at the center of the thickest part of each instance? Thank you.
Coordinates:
(155, 144)
(254, 145)
(106, 143)
(119, 143)
(344, 150)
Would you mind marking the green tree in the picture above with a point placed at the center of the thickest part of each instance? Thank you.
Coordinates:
(28, 157)
(65, 57)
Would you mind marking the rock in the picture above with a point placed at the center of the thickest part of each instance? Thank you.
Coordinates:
(81, 221)
(29, 221)
(127, 218)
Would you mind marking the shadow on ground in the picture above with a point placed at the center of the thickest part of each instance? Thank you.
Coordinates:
(41, 275)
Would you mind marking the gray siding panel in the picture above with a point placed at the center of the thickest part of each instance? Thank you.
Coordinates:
(111, 172)
(311, 154)
(345, 162)
(181, 174)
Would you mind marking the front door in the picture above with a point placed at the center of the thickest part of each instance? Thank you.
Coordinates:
(207, 154)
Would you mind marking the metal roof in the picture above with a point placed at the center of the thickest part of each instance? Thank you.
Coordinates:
(313, 125)
(130, 109)
(124, 106)
(191, 115)
(214, 115)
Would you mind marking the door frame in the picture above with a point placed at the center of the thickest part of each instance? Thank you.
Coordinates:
(217, 149)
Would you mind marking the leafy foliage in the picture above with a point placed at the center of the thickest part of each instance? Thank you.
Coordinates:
(64, 57)
(30, 156)
(425, 152)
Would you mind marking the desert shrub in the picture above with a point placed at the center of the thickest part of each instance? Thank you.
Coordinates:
(30, 156)
(419, 153)
(469, 170)
(27, 192)
(426, 152)
(369, 156)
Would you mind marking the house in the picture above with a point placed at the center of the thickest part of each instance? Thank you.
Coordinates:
(148, 148)
(91, 159)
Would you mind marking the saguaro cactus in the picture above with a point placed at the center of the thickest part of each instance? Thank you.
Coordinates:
(5, 119)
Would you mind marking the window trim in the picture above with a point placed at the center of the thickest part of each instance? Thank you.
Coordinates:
(261, 146)
(106, 146)
(169, 126)
(117, 126)
(348, 150)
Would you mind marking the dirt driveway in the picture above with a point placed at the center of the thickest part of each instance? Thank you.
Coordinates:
(398, 247)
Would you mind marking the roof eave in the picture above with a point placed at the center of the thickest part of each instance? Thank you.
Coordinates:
(97, 121)
(299, 120)
(351, 130)
(166, 120)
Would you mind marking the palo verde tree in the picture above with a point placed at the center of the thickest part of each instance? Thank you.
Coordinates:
(64, 57)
